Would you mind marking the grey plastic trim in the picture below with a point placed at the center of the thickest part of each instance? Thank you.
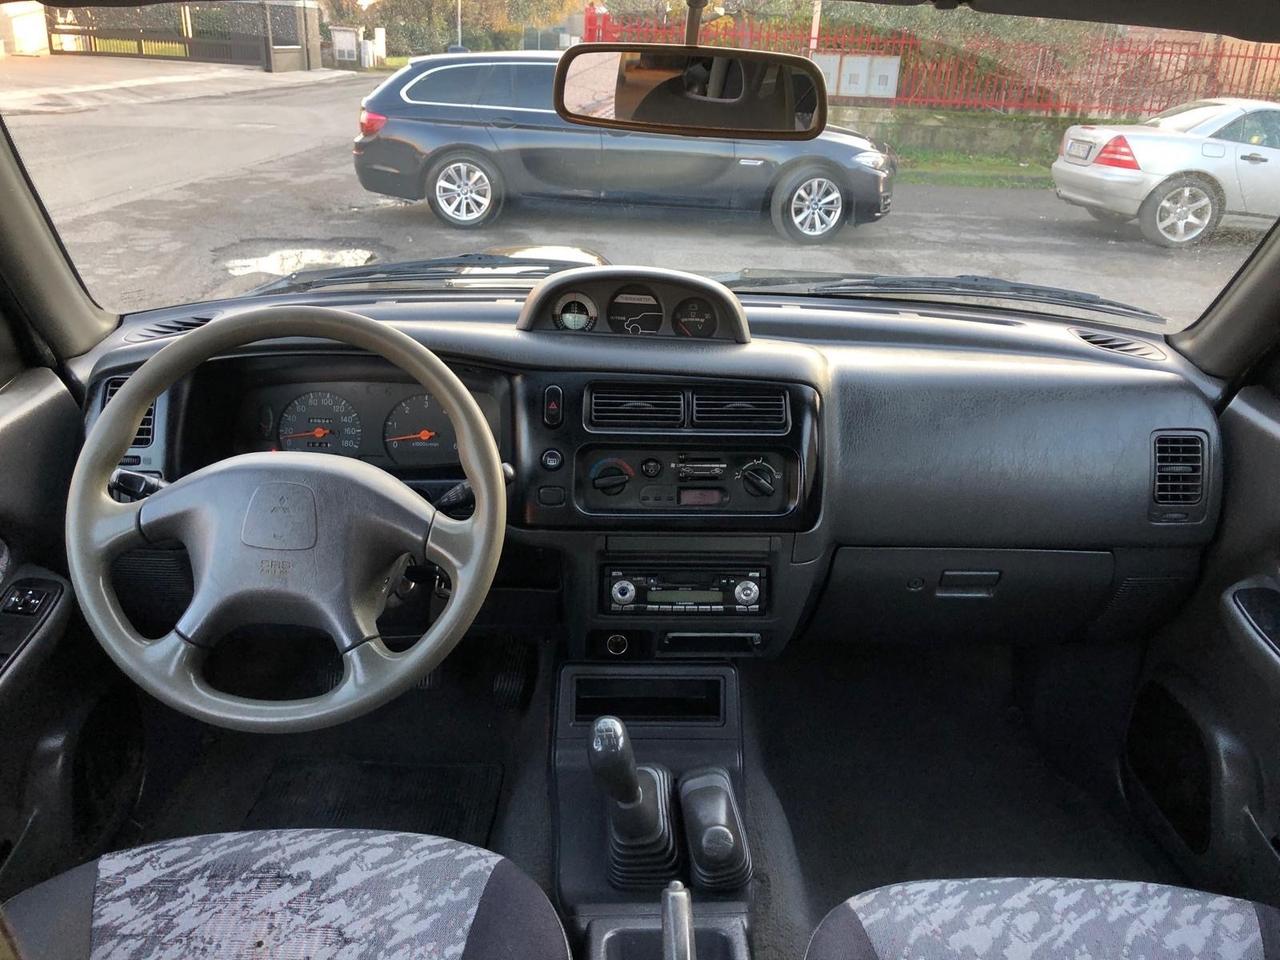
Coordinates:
(537, 305)
(37, 269)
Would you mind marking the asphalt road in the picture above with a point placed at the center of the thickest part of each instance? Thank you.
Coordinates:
(163, 202)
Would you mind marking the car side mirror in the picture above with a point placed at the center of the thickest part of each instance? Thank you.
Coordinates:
(691, 91)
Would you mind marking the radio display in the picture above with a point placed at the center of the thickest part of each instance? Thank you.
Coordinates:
(684, 596)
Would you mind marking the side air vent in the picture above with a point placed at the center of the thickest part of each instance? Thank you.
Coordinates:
(1179, 469)
(637, 407)
(147, 428)
(167, 328)
(1108, 341)
(745, 409)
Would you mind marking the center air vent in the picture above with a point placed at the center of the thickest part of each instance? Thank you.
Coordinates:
(147, 428)
(635, 407)
(1109, 341)
(743, 409)
(1179, 469)
(167, 328)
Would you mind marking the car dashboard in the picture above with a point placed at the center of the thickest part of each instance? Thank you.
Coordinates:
(892, 472)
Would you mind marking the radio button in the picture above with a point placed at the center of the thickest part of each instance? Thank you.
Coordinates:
(623, 591)
(747, 592)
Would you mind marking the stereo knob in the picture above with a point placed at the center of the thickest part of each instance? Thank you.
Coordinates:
(623, 592)
(610, 481)
(746, 593)
(758, 478)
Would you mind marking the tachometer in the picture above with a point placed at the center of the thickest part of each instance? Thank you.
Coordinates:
(694, 317)
(635, 312)
(320, 422)
(418, 434)
(575, 312)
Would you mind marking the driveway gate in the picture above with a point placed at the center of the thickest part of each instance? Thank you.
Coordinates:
(211, 32)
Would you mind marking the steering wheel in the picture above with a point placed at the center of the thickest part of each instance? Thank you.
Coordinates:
(303, 539)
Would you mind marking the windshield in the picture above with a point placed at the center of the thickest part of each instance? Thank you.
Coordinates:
(188, 152)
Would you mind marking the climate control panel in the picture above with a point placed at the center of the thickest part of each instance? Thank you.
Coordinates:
(672, 480)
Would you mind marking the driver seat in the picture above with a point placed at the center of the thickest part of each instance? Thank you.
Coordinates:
(318, 894)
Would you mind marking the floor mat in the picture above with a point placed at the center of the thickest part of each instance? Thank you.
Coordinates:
(909, 764)
(447, 800)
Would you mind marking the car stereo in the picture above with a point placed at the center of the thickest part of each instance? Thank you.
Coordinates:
(684, 591)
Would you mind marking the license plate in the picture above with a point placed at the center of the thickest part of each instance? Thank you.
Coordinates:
(1079, 149)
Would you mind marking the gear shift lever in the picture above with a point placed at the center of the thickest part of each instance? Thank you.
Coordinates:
(613, 763)
(643, 851)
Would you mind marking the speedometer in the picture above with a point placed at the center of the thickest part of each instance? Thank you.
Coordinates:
(575, 312)
(320, 422)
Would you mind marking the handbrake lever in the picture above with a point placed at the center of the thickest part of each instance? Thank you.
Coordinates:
(677, 923)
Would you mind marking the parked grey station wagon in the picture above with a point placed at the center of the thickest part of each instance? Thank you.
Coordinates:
(468, 132)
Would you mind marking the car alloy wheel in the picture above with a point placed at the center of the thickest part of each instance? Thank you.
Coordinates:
(1184, 213)
(464, 191)
(816, 206)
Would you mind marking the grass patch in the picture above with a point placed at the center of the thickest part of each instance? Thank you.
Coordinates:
(395, 63)
(956, 169)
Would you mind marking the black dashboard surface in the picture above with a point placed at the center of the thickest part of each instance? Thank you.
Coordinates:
(931, 472)
(942, 427)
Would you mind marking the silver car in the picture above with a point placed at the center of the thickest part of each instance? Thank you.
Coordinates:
(1182, 173)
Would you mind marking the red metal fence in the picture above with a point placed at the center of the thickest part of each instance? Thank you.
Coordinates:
(1103, 78)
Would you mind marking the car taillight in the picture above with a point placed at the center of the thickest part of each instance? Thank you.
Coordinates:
(1116, 152)
(371, 123)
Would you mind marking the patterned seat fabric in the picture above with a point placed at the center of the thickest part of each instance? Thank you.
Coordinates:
(285, 894)
(1045, 919)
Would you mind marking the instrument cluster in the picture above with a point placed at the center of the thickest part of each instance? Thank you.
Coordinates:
(392, 425)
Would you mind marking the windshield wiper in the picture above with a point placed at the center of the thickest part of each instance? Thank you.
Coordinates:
(871, 284)
(474, 266)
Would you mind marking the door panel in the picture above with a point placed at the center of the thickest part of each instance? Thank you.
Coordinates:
(1255, 138)
(540, 154)
(1202, 760)
(51, 677)
(662, 169)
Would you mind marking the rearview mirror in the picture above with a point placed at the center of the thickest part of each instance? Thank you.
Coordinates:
(692, 91)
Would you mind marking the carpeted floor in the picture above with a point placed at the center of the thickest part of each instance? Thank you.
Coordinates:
(908, 763)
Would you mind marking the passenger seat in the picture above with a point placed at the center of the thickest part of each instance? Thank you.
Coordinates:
(1045, 919)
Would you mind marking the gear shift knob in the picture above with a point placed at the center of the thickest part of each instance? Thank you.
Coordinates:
(613, 763)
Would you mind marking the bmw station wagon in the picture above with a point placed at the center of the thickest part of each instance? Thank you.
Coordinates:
(469, 132)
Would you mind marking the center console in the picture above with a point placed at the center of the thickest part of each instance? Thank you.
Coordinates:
(678, 504)
(649, 792)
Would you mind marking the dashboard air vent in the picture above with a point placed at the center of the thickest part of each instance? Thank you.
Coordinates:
(167, 328)
(1179, 469)
(634, 407)
(1116, 344)
(147, 428)
(745, 409)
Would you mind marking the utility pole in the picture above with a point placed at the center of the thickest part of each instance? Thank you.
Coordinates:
(813, 31)
(459, 22)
